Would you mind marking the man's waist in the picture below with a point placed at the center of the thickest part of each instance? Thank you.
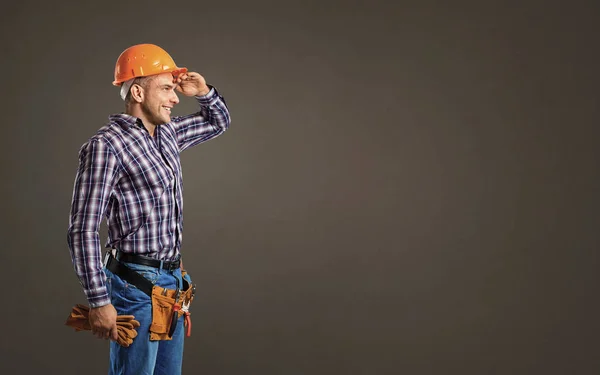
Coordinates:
(146, 260)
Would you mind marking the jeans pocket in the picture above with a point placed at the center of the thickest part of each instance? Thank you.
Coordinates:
(109, 281)
(149, 273)
(109, 285)
(131, 292)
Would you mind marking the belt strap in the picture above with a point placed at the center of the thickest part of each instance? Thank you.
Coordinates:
(126, 273)
(147, 261)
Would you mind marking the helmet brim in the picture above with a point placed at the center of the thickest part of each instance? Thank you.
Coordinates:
(175, 72)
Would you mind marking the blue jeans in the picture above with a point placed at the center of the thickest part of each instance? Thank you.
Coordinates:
(144, 357)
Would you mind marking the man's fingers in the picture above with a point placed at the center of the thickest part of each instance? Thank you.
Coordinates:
(121, 318)
(103, 334)
(114, 333)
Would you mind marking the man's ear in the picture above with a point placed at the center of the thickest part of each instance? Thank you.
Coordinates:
(137, 93)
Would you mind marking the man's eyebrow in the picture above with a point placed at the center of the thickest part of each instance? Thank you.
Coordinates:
(169, 85)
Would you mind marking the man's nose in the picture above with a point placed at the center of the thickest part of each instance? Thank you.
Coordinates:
(174, 97)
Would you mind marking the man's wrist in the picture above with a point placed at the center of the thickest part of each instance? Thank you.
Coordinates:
(204, 91)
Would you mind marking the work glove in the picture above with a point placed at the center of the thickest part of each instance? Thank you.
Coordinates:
(126, 324)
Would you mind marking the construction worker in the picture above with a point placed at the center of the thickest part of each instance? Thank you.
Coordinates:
(130, 173)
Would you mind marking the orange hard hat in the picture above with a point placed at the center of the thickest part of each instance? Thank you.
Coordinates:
(144, 60)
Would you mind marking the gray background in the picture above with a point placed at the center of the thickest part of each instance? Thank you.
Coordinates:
(405, 188)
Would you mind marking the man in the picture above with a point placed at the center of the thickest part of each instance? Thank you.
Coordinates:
(130, 173)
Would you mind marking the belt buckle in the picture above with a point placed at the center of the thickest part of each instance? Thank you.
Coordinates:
(170, 266)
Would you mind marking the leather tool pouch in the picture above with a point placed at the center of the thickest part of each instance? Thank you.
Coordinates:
(165, 308)
(168, 305)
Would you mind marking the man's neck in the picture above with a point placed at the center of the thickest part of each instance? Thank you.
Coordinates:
(139, 114)
(149, 127)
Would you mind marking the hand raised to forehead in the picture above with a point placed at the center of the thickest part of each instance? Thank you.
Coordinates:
(191, 83)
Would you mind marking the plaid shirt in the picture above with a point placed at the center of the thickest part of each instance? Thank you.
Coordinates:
(135, 181)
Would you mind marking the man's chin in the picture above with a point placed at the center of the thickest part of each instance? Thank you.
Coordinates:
(164, 120)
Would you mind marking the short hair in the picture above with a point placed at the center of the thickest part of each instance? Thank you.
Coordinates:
(142, 81)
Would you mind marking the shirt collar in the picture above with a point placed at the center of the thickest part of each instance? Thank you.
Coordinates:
(126, 121)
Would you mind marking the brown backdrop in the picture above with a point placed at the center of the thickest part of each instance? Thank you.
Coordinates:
(406, 188)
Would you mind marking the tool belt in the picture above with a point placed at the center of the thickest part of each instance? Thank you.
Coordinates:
(168, 305)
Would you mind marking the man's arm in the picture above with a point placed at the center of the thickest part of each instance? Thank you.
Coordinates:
(96, 175)
(212, 119)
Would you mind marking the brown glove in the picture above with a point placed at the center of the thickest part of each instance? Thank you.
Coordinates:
(126, 324)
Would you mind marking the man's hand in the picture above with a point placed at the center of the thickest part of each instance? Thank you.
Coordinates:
(191, 84)
(103, 321)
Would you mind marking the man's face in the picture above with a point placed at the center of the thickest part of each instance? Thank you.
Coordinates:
(159, 99)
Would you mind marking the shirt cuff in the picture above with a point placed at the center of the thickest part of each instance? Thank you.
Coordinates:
(210, 98)
(97, 297)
